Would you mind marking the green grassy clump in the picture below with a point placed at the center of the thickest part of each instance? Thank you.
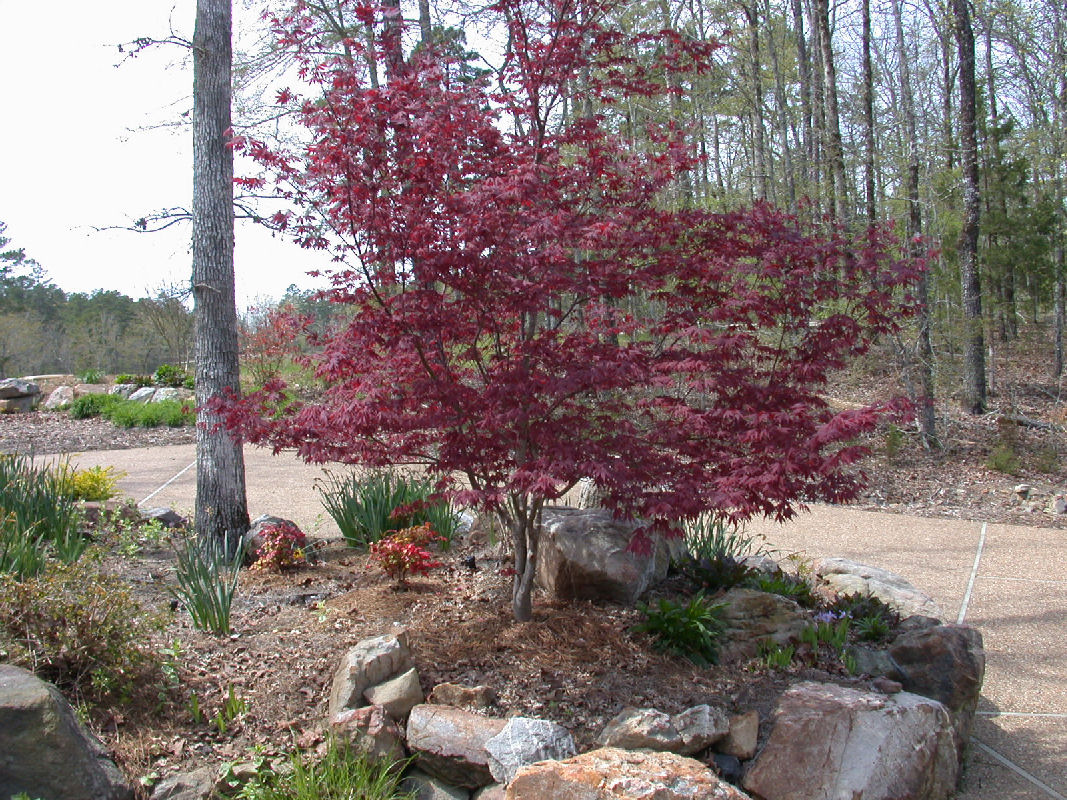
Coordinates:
(38, 517)
(367, 508)
(131, 414)
(339, 774)
(207, 582)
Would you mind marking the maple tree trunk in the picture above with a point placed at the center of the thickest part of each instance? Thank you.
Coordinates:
(523, 520)
(974, 346)
(221, 506)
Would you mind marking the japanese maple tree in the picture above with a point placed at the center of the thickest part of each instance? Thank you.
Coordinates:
(527, 307)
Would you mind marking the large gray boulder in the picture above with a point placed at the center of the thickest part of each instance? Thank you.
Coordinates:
(585, 555)
(369, 663)
(450, 743)
(525, 740)
(946, 663)
(611, 773)
(851, 577)
(44, 750)
(60, 397)
(641, 729)
(830, 743)
(12, 388)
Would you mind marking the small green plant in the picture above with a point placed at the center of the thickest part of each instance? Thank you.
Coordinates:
(1046, 460)
(195, 711)
(207, 582)
(171, 413)
(232, 707)
(404, 553)
(367, 508)
(794, 587)
(718, 572)
(848, 660)
(893, 441)
(690, 629)
(91, 376)
(872, 629)
(1003, 459)
(775, 656)
(860, 606)
(170, 375)
(78, 627)
(339, 774)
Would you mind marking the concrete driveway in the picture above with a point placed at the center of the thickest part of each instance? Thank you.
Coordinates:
(1009, 582)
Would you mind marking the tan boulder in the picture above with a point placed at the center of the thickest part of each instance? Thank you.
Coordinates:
(450, 743)
(614, 774)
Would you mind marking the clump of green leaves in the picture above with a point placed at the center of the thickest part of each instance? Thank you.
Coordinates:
(133, 380)
(860, 606)
(93, 405)
(893, 441)
(232, 707)
(795, 587)
(38, 516)
(776, 656)
(339, 774)
(367, 508)
(77, 627)
(207, 582)
(690, 629)
(91, 376)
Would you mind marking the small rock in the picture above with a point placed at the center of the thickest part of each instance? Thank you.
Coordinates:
(450, 743)
(729, 767)
(196, 785)
(60, 397)
(886, 685)
(743, 736)
(524, 741)
(700, 726)
(398, 695)
(143, 395)
(166, 517)
(1058, 505)
(369, 663)
(451, 694)
(427, 787)
(369, 731)
(641, 729)
(1024, 490)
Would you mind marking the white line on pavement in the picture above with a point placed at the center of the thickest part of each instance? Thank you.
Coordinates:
(1033, 714)
(974, 576)
(165, 485)
(1019, 770)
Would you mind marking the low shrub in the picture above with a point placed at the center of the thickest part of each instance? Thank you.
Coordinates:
(367, 508)
(708, 537)
(94, 405)
(283, 547)
(404, 553)
(170, 375)
(77, 627)
(862, 606)
(135, 380)
(95, 484)
(795, 587)
(91, 376)
(691, 629)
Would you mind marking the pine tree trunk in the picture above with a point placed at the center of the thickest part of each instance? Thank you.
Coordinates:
(974, 389)
(221, 506)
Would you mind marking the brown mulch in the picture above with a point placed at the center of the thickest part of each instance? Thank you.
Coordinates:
(55, 433)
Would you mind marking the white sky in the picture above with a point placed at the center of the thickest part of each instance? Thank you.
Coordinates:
(78, 150)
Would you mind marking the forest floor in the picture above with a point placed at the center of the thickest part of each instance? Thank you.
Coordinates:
(576, 663)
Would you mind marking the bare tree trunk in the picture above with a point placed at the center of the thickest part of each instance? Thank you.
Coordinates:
(835, 148)
(927, 420)
(759, 149)
(974, 348)
(782, 120)
(221, 506)
(868, 118)
(804, 69)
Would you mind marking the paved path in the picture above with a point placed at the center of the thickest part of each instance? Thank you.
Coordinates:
(1008, 581)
